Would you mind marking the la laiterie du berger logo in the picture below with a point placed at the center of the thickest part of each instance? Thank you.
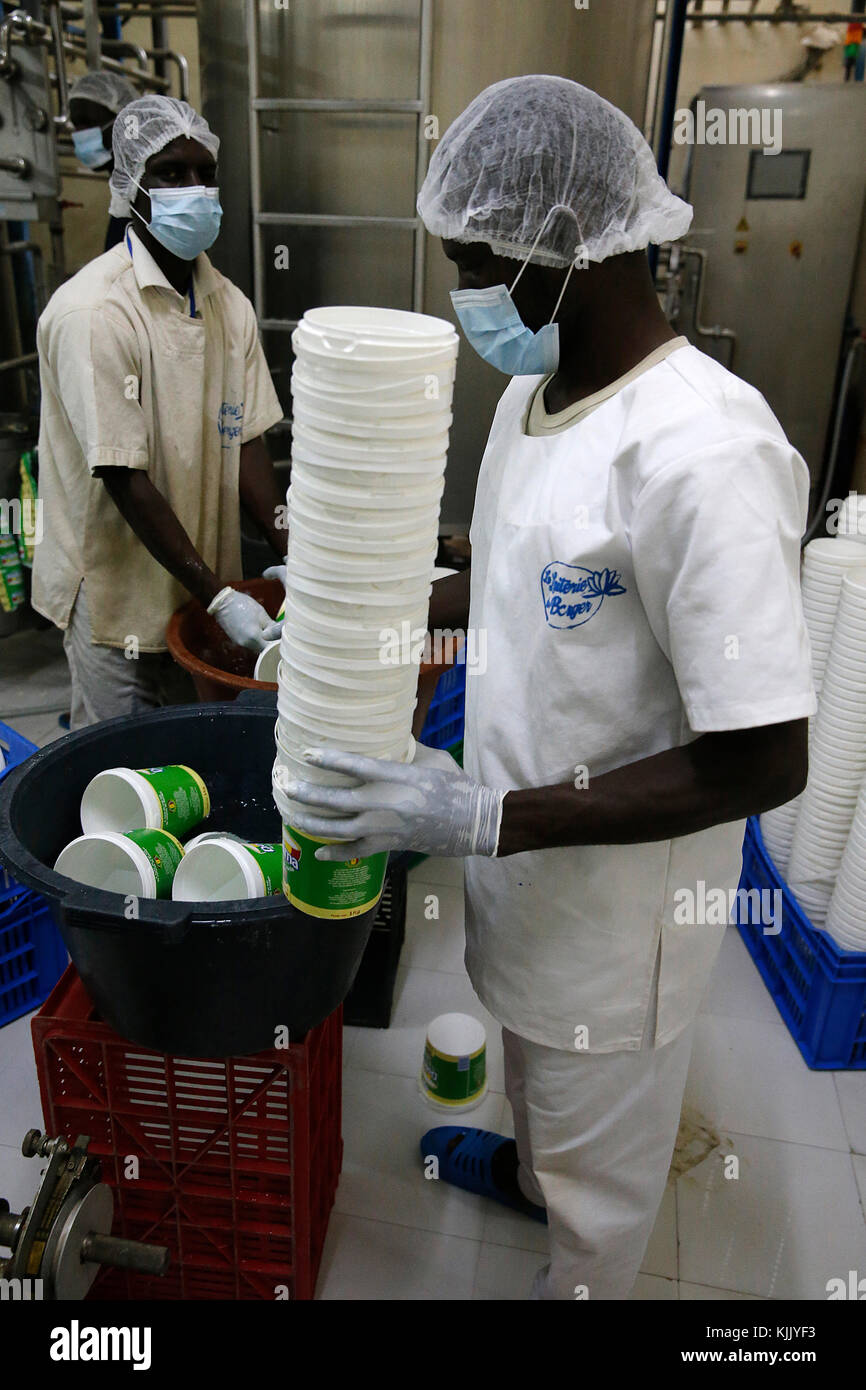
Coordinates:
(572, 595)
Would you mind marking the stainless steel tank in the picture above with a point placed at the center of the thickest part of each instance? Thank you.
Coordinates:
(322, 163)
(772, 250)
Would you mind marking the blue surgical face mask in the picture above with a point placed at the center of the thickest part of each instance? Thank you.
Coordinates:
(490, 320)
(186, 221)
(89, 147)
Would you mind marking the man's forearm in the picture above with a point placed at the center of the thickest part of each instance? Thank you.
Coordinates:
(717, 778)
(261, 495)
(449, 603)
(153, 521)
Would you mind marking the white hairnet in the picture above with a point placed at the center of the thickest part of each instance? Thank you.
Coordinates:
(146, 127)
(528, 145)
(109, 89)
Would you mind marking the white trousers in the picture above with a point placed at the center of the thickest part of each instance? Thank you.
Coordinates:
(595, 1136)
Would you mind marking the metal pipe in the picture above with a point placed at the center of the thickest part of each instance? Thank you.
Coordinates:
(7, 64)
(159, 38)
(255, 155)
(821, 505)
(92, 34)
(10, 325)
(16, 164)
(164, 55)
(124, 46)
(62, 120)
(12, 248)
(804, 17)
(330, 219)
(145, 78)
(175, 11)
(361, 104)
(12, 363)
(672, 79)
(700, 329)
(124, 1254)
(425, 77)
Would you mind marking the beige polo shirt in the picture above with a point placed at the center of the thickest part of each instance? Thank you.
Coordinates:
(130, 379)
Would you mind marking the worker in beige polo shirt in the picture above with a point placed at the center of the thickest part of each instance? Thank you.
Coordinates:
(155, 398)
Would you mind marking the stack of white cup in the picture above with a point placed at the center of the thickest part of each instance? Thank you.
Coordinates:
(371, 393)
(851, 522)
(846, 915)
(825, 564)
(837, 758)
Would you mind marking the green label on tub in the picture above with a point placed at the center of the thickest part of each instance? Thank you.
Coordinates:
(270, 861)
(164, 853)
(338, 888)
(453, 1080)
(183, 796)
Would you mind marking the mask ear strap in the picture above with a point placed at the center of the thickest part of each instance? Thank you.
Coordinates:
(562, 292)
(550, 212)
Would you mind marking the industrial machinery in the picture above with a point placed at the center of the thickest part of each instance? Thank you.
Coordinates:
(763, 279)
(334, 107)
(59, 1242)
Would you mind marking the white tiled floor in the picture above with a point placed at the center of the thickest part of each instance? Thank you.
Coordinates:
(777, 1224)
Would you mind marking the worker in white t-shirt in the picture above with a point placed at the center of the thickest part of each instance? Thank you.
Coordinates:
(155, 398)
(635, 553)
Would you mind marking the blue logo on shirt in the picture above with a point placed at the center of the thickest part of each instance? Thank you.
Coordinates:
(230, 423)
(572, 595)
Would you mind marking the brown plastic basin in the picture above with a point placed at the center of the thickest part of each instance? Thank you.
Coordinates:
(220, 669)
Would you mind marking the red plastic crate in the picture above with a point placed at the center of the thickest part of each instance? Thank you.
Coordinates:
(238, 1159)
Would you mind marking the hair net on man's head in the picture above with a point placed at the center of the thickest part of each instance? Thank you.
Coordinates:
(108, 89)
(144, 128)
(535, 148)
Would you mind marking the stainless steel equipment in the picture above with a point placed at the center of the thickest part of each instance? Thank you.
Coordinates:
(349, 99)
(28, 141)
(767, 266)
(59, 1242)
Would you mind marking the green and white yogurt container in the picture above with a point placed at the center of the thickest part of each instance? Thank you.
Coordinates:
(335, 889)
(454, 1070)
(172, 798)
(139, 863)
(223, 870)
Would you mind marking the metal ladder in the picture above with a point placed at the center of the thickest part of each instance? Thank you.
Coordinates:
(261, 218)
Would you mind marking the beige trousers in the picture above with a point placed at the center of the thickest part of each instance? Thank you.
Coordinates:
(106, 684)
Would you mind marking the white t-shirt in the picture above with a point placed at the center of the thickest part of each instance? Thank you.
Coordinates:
(131, 379)
(637, 577)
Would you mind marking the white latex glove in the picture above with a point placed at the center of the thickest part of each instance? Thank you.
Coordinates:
(430, 805)
(245, 621)
(275, 572)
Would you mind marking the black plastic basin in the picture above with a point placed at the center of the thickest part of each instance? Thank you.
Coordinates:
(201, 980)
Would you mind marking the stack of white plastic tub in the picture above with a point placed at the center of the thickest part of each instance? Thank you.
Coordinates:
(851, 520)
(837, 758)
(846, 915)
(371, 392)
(825, 564)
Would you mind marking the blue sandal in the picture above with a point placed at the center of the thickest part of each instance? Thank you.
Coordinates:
(469, 1164)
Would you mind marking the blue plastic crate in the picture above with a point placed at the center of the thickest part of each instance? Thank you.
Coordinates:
(819, 989)
(443, 726)
(15, 748)
(32, 954)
